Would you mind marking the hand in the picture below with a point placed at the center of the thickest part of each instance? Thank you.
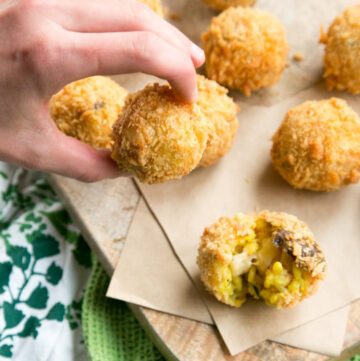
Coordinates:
(46, 44)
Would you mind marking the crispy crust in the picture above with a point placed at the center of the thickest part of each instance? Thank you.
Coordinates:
(220, 5)
(288, 233)
(86, 109)
(220, 112)
(317, 146)
(157, 137)
(245, 49)
(342, 51)
(155, 5)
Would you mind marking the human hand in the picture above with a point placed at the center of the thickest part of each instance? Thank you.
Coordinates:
(47, 44)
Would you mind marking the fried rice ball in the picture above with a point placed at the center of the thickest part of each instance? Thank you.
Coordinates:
(317, 146)
(270, 256)
(245, 49)
(342, 52)
(220, 5)
(220, 112)
(86, 109)
(157, 137)
(155, 5)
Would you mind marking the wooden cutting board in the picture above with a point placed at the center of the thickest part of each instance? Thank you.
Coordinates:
(103, 211)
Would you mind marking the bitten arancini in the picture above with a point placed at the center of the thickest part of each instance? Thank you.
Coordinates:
(220, 5)
(220, 112)
(317, 146)
(155, 5)
(157, 137)
(342, 51)
(245, 49)
(86, 109)
(270, 256)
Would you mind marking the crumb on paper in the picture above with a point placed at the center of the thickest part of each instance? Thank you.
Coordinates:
(174, 16)
(247, 180)
(298, 56)
(120, 239)
(130, 208)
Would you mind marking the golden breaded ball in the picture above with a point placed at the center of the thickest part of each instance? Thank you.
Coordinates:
(220, 112)
(220, 5)
(342, 52)
(246, 49)
(86, 109)
(157, 137)
(270, 256)
(155, 5)
(317, 146)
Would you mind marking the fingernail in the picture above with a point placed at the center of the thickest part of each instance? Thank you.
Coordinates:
(197, 52)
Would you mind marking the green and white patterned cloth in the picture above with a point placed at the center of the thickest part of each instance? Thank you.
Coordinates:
(44, 266)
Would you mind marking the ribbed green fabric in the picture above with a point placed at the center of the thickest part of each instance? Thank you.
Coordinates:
(111, 331)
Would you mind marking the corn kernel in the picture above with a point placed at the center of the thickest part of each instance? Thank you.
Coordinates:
(277, 268)
(269, 279)
(274, 298)
(251, 248)
(249, 237)
(294, 286)
(252, 274)
(237, 282)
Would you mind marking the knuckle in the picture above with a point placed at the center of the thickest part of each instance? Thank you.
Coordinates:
(39, 52)
(143, 44)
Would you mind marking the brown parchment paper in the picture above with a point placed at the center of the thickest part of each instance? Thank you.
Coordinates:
(245, 180)
(149, 274)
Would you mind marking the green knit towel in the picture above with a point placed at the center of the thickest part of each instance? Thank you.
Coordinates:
(111, 331)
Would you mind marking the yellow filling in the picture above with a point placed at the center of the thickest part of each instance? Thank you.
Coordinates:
(264, 271)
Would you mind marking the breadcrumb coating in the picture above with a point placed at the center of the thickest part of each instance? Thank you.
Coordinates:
(157, 137)
(220, 112)
(220, 5)
(317, 146)
(86, 109)
(271, 256)
(155, 5)
(245, 49)
(342, 51)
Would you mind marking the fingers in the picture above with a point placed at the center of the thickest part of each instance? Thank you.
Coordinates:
(53, 151)
(117, 53)
(94, 16)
